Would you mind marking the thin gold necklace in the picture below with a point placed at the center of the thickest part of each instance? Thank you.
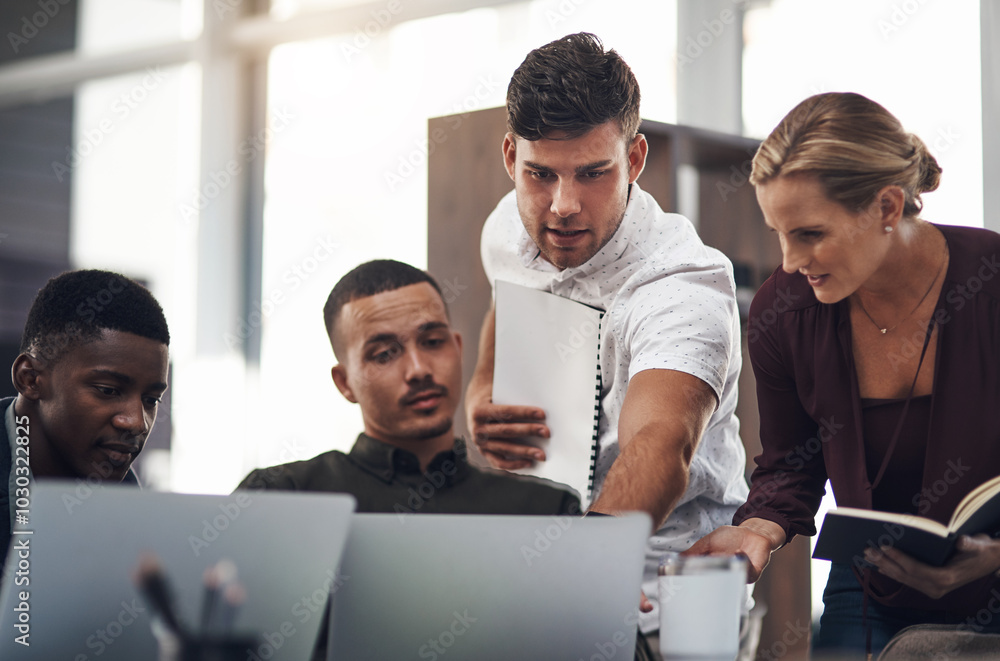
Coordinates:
(884, 330)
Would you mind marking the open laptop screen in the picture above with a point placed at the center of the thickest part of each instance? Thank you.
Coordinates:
(489, 587)
(69, 578)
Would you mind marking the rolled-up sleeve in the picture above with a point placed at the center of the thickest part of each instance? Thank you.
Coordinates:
(683, 321)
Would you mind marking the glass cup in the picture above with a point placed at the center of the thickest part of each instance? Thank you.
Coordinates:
(701, 600)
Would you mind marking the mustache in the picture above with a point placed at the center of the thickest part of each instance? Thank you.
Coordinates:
(423, 390)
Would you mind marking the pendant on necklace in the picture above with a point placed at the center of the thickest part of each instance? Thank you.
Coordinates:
(884, 330)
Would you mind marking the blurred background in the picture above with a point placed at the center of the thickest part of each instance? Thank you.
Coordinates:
(239, 156)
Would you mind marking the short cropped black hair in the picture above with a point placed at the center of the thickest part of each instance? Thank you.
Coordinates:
(571, 86)
(73, 308)
(374, 277)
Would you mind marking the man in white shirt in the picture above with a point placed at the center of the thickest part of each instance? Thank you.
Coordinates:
(577, 225)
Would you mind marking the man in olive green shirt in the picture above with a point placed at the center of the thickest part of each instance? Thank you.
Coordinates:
(401, 362)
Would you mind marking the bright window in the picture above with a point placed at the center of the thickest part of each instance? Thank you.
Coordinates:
(347, 172)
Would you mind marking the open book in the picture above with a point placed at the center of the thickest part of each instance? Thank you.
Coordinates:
(847, 531)
(546, 355)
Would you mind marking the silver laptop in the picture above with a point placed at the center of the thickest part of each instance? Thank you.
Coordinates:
(461, 587)
(75, 580)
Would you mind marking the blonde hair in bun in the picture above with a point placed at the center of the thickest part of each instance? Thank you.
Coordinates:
(854, 146)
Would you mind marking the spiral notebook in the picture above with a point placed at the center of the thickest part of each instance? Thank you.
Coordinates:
(547, 355)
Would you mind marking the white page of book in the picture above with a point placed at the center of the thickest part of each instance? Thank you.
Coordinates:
(546, 355)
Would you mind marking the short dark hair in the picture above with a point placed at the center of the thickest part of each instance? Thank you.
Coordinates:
(74, 307)
(368, 279)
(571, 86)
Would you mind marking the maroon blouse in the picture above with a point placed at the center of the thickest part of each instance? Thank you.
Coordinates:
(812, 424)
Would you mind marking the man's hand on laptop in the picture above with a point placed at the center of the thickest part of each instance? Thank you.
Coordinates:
(500, 431)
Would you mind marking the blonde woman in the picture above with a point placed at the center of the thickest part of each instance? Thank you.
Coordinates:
(877, 359)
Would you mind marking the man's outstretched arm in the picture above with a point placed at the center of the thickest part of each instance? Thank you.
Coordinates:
(662, 419)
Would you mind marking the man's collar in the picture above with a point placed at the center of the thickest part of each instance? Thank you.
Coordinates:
(384, 461)
(10, 424)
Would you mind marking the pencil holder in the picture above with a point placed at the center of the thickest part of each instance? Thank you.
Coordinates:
(230, 648)
(235, 647)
